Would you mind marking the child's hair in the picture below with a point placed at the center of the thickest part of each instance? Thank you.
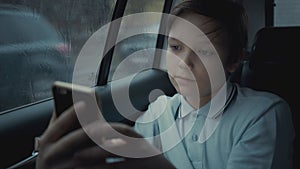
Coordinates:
(230, 14)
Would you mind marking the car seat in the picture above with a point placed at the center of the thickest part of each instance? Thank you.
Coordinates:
(273, 66)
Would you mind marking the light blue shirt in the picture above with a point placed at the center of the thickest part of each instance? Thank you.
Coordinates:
(254, 131)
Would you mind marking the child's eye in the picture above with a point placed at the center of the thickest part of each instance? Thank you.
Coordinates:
(175, 47)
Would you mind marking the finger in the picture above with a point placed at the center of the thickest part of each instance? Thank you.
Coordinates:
(104, 165)
(125, 130)
(64, 123)
(116, 145)
(99, 166)
(79, 139)
(68, 144)
(158, 161)
(60, 164)
(95, 154)
(53, 118)
(136, 145)
(90, 156)
(134, 163)
(110, 130)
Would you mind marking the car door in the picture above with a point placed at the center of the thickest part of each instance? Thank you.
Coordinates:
(38, 47)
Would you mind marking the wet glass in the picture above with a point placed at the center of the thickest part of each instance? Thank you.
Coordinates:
(136, 52)
(40, 41)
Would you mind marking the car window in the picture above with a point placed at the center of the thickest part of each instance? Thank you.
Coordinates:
(40, 42)
(162, 61)
(25, 27)
(256, 18)
(136, 52)
(287, 13)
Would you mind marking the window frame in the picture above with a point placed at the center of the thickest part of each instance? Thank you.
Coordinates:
(113, 32)
(103, 73)
(269, 12)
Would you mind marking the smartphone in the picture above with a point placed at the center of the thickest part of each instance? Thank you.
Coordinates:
(63, 93)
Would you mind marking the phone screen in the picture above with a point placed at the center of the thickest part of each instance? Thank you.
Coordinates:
(65, 93)
(62, 98)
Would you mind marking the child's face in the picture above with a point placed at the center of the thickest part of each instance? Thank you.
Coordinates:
(191, 55)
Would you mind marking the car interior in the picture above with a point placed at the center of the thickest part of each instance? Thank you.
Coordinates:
(270, 65)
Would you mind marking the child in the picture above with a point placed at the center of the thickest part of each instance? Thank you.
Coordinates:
(211, 123)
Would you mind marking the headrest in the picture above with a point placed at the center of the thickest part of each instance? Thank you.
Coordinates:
(140, 89)
(273, 65)
(276, 46)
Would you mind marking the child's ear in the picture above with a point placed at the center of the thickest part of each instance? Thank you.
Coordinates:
(234, 66)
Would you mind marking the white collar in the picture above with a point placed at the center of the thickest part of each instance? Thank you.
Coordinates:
(186, 108)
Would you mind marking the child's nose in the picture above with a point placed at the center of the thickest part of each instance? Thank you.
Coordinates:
(186, 60)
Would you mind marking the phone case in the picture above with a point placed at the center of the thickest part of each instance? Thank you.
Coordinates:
(63, 93)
